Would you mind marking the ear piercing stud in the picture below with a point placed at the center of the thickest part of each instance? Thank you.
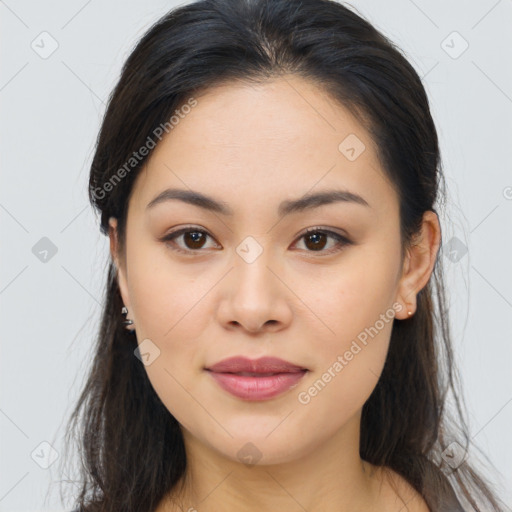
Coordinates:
(127, 322)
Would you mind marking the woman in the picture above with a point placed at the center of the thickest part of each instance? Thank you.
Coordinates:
(274, 335)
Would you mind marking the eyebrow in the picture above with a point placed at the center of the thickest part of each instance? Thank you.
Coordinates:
(307, 202)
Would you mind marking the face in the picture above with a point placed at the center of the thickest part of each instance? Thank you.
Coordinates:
(250, 281)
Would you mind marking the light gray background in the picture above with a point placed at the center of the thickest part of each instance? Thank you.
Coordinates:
(51, 111)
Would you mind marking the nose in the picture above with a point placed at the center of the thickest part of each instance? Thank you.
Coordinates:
(254, 296)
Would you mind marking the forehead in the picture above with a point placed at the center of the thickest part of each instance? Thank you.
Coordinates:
(263, 143)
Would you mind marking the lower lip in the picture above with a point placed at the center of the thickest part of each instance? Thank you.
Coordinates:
(257, 388)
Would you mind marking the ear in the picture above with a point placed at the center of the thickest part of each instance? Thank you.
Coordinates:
(418, 264)
(118, 260)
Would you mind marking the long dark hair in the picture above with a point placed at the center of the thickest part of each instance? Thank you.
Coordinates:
(131, 448)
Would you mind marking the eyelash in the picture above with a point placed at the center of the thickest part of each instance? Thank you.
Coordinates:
(169, 240)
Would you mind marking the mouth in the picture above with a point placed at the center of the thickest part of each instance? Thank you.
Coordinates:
(251, 385)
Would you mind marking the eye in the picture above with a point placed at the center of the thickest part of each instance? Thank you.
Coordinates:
(316, 239)
(193, 238)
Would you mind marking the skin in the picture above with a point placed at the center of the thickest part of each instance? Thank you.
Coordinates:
(253, 147)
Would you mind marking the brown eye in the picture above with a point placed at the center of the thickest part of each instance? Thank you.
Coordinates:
(193, 240)
(315, 240)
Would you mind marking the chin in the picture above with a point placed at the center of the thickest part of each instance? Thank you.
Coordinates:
(262, 449)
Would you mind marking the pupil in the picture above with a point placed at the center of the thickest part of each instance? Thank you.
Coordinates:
(315, 237)
(196, 237)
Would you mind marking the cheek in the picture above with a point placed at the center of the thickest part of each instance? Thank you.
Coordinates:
(171, 310)
(355, 306)
(350, 298)
(339, 387)
(167, 302)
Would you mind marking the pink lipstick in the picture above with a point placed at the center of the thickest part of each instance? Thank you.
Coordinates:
(258, 379)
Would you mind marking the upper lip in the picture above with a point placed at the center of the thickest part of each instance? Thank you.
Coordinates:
(262, 365)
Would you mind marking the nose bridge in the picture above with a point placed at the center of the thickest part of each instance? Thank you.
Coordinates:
(254, 295)
(253, 257)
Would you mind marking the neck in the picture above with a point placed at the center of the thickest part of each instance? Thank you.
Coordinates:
(328, 477)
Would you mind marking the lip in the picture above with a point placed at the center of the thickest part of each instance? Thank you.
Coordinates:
(240, 364)
(230, 375)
